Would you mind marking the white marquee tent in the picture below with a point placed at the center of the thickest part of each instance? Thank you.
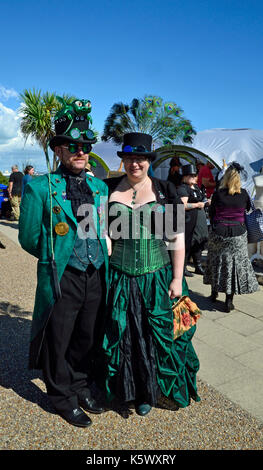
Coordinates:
(244, 146)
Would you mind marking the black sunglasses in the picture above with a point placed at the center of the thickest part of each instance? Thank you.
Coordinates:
(73, 147)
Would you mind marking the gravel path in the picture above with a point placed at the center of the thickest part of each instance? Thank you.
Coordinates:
(28, 422)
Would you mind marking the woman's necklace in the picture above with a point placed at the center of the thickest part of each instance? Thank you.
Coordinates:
(135, 191)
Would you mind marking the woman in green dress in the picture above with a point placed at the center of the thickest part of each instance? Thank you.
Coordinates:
(143, 361)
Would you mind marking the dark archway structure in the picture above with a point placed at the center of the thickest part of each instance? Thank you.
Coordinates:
(185, 152)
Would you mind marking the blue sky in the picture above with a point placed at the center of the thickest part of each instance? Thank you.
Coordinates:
(206, 55)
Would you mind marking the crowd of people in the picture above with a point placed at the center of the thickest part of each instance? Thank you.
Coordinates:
(228, 268)
(17, 182)
(109, 274)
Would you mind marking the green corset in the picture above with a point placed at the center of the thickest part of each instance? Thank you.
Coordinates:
(138, 251)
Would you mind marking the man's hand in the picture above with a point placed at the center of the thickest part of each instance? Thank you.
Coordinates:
(9, 189)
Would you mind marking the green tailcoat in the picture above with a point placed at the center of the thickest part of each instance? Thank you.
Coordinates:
(35, 237)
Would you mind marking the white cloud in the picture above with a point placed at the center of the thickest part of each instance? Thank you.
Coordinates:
(10, 134)
(13, 148)
(7, 93)
(9, 124)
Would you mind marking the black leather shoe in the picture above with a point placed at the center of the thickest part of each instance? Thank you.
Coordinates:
(89, 404)
(187, 273)
(77, 417)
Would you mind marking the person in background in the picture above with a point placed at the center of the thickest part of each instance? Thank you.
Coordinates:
(228, 268)
(206, 179)
(90, 165)
(174, 172)
(29, 171)
(220, 174)
(199, 164)
(196, 231)
(14, 192)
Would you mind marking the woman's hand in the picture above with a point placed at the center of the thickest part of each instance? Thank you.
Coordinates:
(200, 205)
(175, 288)
(109, 244)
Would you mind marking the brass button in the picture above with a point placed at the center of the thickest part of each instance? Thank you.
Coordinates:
(56, 209)
(61, 228)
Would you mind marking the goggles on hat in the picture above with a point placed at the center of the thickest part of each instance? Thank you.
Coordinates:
(73, 147)
(130, 149)
(75, 133)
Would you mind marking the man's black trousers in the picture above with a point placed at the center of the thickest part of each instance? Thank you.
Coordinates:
(70, 336)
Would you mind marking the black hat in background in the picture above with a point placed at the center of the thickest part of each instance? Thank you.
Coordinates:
(186, 170)
(240, 169)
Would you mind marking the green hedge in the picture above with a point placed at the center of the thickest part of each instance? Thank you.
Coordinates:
(4, 179)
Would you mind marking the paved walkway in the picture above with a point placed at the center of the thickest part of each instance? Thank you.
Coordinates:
(230, 346)
(10, 230)
(230, 379)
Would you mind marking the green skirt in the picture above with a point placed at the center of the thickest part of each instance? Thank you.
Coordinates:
(143, 362)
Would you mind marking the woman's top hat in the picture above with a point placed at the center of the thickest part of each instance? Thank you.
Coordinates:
(72, 123)
(186, 170)
(137, 143)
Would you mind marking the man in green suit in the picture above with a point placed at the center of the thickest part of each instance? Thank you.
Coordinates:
(62, 223)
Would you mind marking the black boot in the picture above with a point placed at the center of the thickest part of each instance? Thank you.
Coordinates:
(187, 273)
(213, 296)
(199, 269)
(197, 256)
(229, 303)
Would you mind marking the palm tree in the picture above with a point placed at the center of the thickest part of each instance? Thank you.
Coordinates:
(36, 117)
(163, 121)
(38, 111)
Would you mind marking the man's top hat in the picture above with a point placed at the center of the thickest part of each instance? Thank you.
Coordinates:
(137, 143)
(186, 170)
(72, 123)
